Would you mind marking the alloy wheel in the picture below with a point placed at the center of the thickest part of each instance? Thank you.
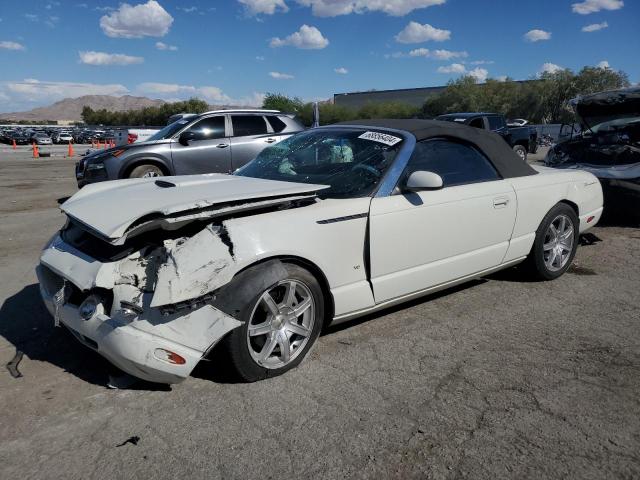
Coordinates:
(281, 324)
(558, 243)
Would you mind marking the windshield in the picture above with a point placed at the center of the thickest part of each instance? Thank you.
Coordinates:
(352, 162)
(615, 124)
(168, 131)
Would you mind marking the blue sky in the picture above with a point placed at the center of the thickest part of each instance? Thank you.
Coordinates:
(235, 51)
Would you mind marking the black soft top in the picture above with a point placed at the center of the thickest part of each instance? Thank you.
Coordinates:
(504, 159)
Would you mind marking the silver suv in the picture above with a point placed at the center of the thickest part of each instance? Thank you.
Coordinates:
(213, 142)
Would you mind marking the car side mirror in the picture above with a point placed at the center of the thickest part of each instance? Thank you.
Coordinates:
(185, 137)
(422, 180)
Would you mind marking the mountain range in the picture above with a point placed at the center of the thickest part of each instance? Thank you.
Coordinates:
(70, 109)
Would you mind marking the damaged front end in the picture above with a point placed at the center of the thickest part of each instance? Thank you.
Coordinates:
(148, 300)
(608, 147)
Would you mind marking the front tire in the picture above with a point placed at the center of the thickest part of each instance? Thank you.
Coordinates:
(146, 171)
(521, 152)
(555, 244)
(281, 324)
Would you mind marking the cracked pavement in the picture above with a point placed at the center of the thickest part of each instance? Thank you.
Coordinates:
(498, 378)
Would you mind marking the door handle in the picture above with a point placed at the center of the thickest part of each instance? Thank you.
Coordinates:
(500, 202)
(222, 145)
(270, 140)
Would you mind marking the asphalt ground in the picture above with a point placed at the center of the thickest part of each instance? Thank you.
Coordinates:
(499, 378)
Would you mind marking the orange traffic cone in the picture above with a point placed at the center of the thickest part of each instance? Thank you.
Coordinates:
(70, 153)
(14, 144)
(36, 154)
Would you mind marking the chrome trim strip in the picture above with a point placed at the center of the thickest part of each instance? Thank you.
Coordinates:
(342, 219)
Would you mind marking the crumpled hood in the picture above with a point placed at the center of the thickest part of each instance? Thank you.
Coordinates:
(109, 208)
(603, 106)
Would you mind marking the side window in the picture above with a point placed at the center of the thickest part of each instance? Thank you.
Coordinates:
(477, 123)
(495, 123)
(208, 128)
(457, 163)
(244, 125)
(277, 124)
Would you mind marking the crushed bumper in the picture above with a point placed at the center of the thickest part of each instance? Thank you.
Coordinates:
(136, 343)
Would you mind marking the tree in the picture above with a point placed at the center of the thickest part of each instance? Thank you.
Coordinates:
(278, 101)
(152, 116)
(544, 99)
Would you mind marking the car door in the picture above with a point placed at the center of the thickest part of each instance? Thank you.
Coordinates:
(207, 151)
(423, 239)
(251, 133)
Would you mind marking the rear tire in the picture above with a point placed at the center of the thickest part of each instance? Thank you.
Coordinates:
(146, 171)
(521, 152)
(257, 348)
(555, 244)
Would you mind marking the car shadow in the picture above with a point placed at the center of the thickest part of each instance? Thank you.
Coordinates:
(27, 325)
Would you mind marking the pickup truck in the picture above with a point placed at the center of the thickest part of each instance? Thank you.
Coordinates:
(523, 140)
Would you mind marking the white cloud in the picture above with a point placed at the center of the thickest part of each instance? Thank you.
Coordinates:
(25, 94)
(177, 91)
(537, 35)
(399, 8)
(308, 38)
(31, 17)
(415, 32)
(144, 20)
(549, 68)
(482, 62)
(341, 70)
(453, 68)
(191, 9)
(8, 45)
(593, 6)
(164, 46)
(448, 54)
(437, 54)
(280, 76)
(104, 59)
(501, 78)
(594, 27)
(603, 64)
(211, 94)
(480, 74)
(420, 52)
(265, 7)
(260, 58)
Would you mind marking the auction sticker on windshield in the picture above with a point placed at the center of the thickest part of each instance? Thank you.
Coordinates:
(380, 137)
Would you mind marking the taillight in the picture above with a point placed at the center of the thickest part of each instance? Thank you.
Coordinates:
(132, 137)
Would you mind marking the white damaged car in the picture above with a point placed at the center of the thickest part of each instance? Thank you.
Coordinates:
(330, 224)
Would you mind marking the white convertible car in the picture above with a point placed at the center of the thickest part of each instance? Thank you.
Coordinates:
(332, 223)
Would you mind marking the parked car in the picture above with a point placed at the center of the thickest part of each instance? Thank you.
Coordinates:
(328, 225)
(41, 139)
(63, 137)
(523, 140)
(214, 142)
(21, 138)
(608, 145)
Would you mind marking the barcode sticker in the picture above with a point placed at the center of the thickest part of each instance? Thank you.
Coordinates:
(380, 137)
